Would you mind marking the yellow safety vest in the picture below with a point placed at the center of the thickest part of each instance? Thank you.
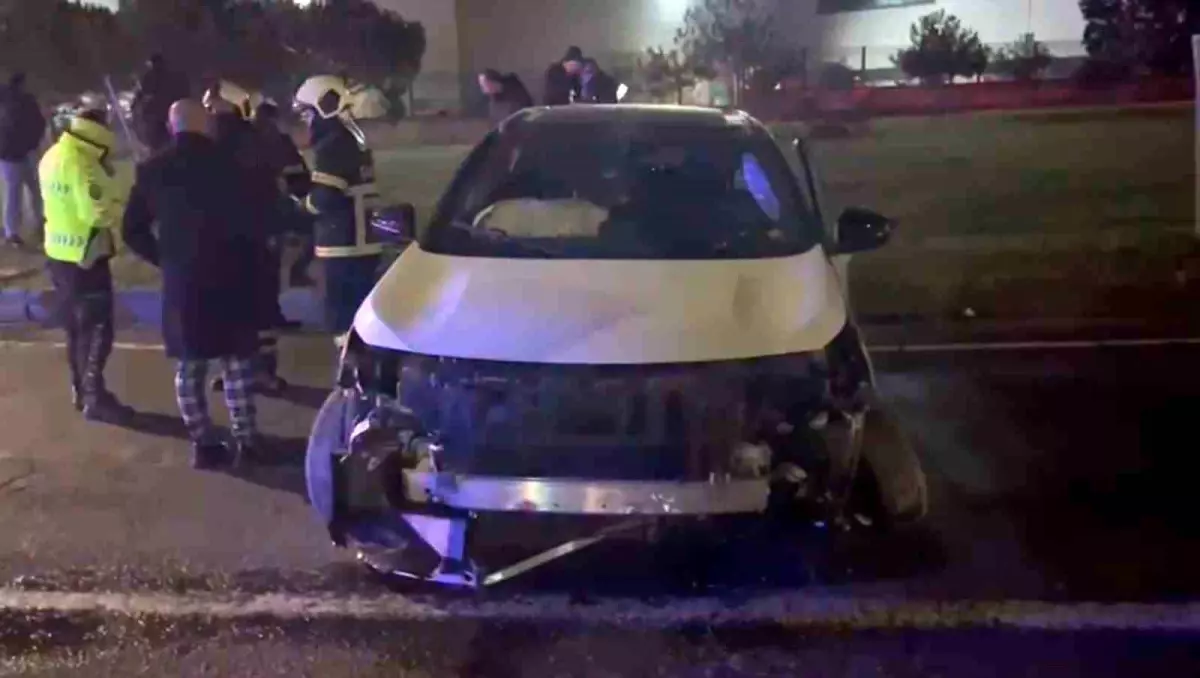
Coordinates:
(83, 203)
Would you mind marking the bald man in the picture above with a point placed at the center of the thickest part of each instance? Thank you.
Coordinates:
(205, 247)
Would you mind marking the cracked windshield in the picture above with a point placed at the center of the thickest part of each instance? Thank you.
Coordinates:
(497, 338)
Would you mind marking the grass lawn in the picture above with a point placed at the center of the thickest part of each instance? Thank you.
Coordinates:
(1057, 213)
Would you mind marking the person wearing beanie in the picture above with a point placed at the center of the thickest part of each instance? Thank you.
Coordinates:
(562, 79)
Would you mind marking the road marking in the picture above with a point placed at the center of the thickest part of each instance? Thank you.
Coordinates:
(962, 347)
(120, 345)
(793, 609)
(950, 347)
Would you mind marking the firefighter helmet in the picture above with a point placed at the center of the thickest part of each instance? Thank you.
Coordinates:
(227, 95)
(326, 95)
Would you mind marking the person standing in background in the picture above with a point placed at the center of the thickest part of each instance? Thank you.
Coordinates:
(83, 207)
(207, 245)
(22, 127)
(158, 88)
(250, 150)
(506, 94)
(596, 86)
(295, 184)
(562, 79)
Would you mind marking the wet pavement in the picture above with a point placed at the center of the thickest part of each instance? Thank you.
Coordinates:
(1061, 475)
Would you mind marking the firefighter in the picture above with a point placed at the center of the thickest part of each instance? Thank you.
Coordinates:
(343, 194)
(83, 205)
(231, 107)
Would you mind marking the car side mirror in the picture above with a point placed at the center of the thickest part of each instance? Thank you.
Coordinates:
(396, 224)
(862, 230)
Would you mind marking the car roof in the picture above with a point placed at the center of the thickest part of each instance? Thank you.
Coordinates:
(652, 114)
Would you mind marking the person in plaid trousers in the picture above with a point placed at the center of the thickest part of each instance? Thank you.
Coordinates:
(207, 246)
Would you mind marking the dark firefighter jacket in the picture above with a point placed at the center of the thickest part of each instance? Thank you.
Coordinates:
(343, 193)
(205, 246)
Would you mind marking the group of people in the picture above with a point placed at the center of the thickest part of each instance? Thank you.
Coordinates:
(208, 208)
(574, 79)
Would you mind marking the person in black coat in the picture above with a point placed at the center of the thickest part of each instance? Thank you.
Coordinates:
(506, 94)
(252, 150)
(562, 79)
(207, 247)
(596, 86)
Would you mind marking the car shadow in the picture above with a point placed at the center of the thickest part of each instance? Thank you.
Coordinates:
(279, 466)
(311, 397)
(157, 424)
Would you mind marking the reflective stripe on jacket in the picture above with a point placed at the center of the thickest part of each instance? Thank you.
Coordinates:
(343, 196)
(83, 202)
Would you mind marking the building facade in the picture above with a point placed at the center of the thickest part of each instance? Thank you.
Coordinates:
(466, 36)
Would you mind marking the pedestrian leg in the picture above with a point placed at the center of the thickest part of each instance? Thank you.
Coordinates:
(29, 172)
(190, 395)
(66, 312)
(75, 356)
(10, 174)
(298, 275)
(95, 318)
(238, 378)
(268, 362)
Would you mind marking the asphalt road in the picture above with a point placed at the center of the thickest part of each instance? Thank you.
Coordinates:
(1056, 475)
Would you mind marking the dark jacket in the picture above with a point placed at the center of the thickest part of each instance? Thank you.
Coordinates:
(511, 98)
(600, 88)
(286, 160)
(205, 246)
(293, 180)
(343, 193)
(250, 148)
(22, 125)
(560, 85)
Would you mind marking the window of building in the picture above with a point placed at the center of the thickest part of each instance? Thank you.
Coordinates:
(838, 6)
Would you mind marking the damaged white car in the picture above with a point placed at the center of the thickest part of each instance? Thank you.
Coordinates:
(625, 315)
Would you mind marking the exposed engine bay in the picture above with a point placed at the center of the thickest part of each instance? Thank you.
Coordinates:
(425, 444)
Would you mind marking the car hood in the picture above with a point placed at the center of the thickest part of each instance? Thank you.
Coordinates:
(601, 311)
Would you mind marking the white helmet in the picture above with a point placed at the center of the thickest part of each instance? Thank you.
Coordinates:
(327, 95)
(242, 100)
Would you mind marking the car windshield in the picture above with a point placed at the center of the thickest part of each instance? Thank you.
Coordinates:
(624, 190)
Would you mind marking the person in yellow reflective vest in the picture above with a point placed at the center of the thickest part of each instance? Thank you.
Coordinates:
(83, 205)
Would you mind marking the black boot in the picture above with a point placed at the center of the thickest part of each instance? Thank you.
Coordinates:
(75, 358)
(104, 407)
(269, 382)
(209, 455)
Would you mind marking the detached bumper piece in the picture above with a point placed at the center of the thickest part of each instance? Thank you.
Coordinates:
(586, 497)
